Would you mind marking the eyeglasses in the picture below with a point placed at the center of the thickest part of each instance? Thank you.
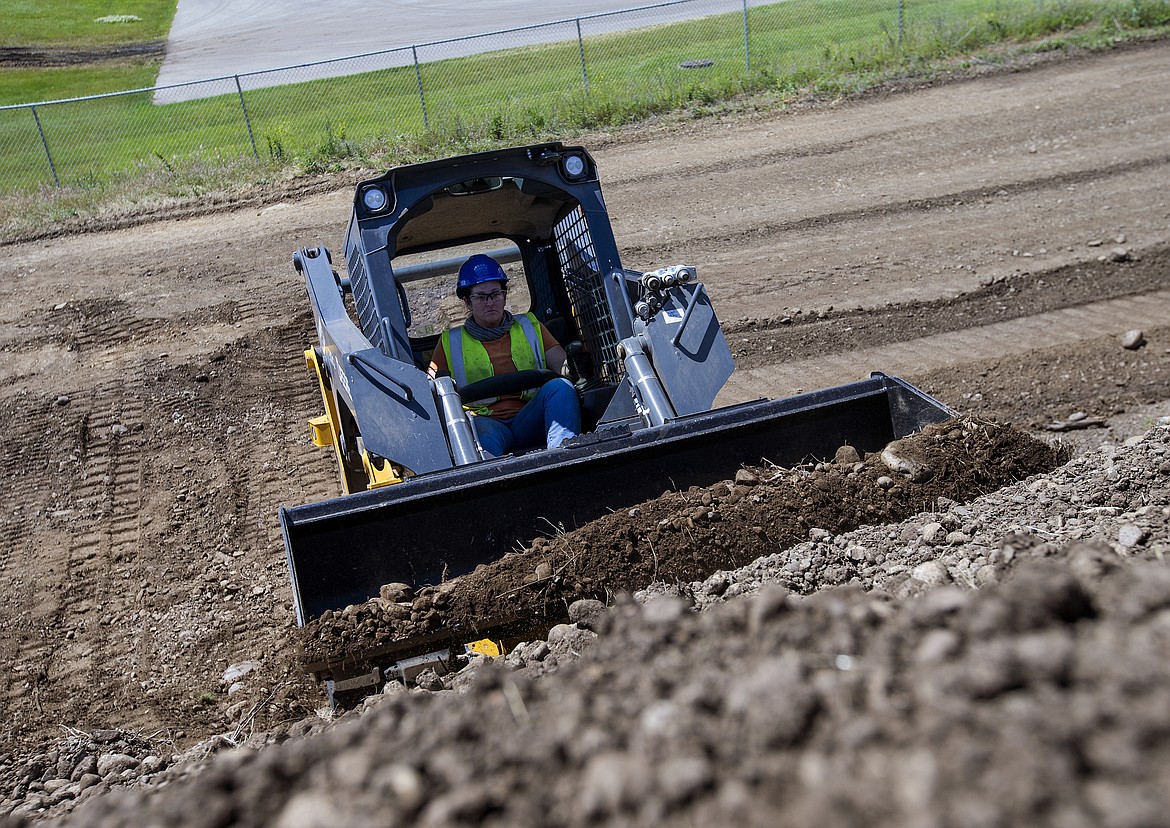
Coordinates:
(488, 298)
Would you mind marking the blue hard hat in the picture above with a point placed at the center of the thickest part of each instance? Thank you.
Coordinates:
(479, 268)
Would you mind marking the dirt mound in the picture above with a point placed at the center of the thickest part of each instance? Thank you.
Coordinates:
(1038, 701)
(685, 536)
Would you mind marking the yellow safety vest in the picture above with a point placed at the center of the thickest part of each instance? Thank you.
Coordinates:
(469, 361)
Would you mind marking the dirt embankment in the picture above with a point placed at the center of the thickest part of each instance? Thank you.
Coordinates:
(903, 697)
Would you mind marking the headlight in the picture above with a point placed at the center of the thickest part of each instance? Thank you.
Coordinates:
(574, 167)
(374, 198)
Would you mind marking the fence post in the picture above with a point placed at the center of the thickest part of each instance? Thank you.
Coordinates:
(901, 21)
(581, 51)
(45, 144)
(418, 79)
(247, 120)
(747, 49)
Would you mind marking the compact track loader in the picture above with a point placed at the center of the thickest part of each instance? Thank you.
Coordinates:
(423, 502)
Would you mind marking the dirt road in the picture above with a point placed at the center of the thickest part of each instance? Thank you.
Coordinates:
(987, 239)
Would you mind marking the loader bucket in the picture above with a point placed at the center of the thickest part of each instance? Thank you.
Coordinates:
(442, 525)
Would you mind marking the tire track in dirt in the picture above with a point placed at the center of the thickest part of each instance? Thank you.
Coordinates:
(105, 556)
(759, 233)
(103, 336)
(930, 123)
(282, 466)
(60, 635)
(968, 346)
(42, 443)
(103, 326)
(764, 158)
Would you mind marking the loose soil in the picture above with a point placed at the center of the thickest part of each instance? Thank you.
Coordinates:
(686, 536)
(155, 405)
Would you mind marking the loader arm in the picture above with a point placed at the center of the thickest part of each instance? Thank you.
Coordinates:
(392, 404)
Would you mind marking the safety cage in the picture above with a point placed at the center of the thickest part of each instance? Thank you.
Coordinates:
(529, 209)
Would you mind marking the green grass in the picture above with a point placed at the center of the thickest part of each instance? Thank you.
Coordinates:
(19, 85)
(375, 119)
(73, 23)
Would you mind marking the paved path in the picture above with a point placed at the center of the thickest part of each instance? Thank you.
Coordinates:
(217, 38)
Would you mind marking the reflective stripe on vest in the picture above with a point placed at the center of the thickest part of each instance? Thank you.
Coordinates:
(469, 362)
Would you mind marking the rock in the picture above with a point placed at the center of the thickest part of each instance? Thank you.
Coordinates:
(397, 688)
(428, 679)
(237, 671)
(611, 783)
(534, 651)
(311, 808)
(1119, 254)
(681, 777)
(569, 640)
(846, 456)
(87, 766)
(396, 593)
(587, 613)
(900, 463)
(111, 764)
(88, 780)
(885, 482)
(1130, 535)
(1132, 340)
(664, 610)
(62, 400)
(936, 647)
(931, 573)
(53, 785)
(743, 477)
(770, 602)
(933, 533)
(716, 585)
(370, 702)
(64, 794)
(395, 611)
(28, 808)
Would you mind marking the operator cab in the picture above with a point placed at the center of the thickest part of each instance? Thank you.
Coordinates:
(538, 211)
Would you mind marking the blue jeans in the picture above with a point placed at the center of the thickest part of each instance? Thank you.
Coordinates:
(548, 419)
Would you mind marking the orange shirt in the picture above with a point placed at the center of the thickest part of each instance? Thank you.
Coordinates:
(500, 353)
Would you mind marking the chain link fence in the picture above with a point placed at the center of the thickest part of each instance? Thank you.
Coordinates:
(577, 72)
